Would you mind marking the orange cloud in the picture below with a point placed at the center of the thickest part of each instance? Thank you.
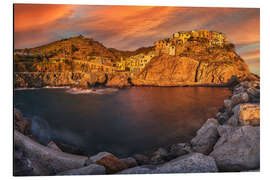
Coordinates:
(31, 16)
(122, 24)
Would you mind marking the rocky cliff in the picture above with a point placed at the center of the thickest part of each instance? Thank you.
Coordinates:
(196, 64)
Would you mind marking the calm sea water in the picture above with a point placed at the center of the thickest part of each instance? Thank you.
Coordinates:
(122, 122)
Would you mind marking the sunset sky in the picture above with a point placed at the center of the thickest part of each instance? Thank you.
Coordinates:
(131, 27)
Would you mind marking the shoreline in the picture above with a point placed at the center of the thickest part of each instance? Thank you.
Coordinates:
(182, 84)
(162, 156)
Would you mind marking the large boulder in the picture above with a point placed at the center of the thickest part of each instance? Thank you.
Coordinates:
(109, 161)
(22, 125)
(249, 114)
(129, 161)
(92, 169)
(48, 160)
(190, 163)
(206, 137)
(223, 116)
(159, 156)
(68, 148)
(245, 114)
(228, 104)
(180, 149)
(22, 165)
(238, 148)
(141, 159)
(239, 98)
(254, 94)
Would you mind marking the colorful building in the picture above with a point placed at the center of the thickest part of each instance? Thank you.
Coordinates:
(134, 64)
(169, 45)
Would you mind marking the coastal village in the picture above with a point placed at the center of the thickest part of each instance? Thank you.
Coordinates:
(78, 50)
(173, 46)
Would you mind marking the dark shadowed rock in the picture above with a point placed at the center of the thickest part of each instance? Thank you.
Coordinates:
(222, 117)
(239, 98)
(22, 125)
(92, 169)
(254, 94)
(22, 165)
(130, 162)
(190, 163)
(141, 159)
(71, 149)
(159, 156)
(180, 149)
(48, 160)
(109, 161)
(206, 137)
(228, 104)
(238, 148)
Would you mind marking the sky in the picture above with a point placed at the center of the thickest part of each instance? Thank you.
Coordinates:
(132, 27)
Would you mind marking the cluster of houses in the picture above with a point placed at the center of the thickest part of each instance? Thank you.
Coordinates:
(170, 45)
(134, 64)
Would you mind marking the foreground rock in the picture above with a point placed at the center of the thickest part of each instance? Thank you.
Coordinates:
(92, 169)
(252, 88)
(206, 137)
(249, 114)
(240, 98)
(109, 161)
(47, 161)
(179, 149)
(22, 164)
(245, 114)
(159, 156)
(190, 163)
(141, 159)
(22, 125)
(238, 148)
(71, 149)
(130, 162)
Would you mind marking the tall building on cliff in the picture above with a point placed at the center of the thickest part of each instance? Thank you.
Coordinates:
(174, 45)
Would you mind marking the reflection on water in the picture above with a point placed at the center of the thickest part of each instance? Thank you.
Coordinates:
(123, 122)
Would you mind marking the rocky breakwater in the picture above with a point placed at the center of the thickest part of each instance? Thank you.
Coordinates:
(197, 64)
(232, 138)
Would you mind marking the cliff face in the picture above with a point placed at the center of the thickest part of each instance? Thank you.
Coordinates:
(196, 64)
(41, 79)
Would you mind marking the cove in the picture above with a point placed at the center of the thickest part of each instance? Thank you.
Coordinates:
(120, 121)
